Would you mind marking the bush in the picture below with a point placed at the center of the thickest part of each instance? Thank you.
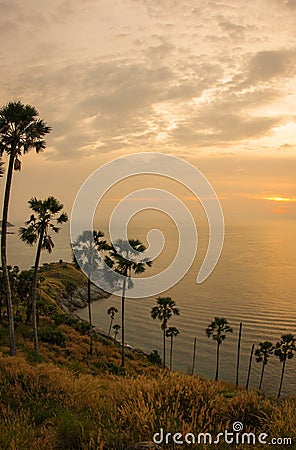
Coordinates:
(46, 307)
(70, 430)
(155, 358)
(52, 335)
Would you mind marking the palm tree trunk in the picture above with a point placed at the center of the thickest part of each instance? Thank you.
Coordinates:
(282, 377)
(164, 328)
(89, 316)
(250, 367)
(122, 319)
(34, 292)
(171, 353)
(217, 363)
(110, 326)
(262, 373)
(193, 358)
(238, 352)
(3, 254)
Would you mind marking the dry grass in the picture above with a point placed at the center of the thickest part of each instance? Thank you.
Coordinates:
(46, 407)
(69, 400)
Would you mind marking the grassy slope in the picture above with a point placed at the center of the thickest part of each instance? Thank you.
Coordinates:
(69, 400)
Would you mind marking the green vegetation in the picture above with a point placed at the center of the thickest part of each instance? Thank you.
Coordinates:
(69, 400)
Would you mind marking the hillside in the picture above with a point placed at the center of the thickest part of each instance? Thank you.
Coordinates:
(71, 400)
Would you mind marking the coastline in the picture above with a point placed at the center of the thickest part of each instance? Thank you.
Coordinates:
(73, 304)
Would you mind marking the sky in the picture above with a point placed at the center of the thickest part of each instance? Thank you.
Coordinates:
(212, 82)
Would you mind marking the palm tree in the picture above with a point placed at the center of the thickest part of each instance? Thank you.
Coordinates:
(86, 250)
(20, 131)
(218, 329)
(124, 260)
(172, 332)
(262, 354)
(285, 349)
(111, 312)
(164, 310)
(116, 328)
(47, 217)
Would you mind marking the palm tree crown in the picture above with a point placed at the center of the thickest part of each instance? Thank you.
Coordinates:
(164, 310)
(21, 130)
(86, 250)
(124, 258)
(218, 329)
(41, 223)
(286, 347)
(172, 332)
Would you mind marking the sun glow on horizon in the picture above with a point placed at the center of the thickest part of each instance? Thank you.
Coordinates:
(280, 199)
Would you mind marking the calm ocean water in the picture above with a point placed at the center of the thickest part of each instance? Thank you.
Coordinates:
(254, 283)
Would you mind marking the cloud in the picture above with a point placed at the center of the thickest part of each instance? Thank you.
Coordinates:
(291, 4)
(152, 74)
(269, 64)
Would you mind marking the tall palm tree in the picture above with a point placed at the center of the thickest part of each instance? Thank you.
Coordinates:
(86, 250)
(172, 332)
(116, 329)
(45, 220)
(218, 330)
(124, 260)
(285, 349)
(20, 130)
(163, 311)
(111, 312)
(262, 354)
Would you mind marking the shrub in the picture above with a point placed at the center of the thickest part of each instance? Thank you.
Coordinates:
(155, 358)
(52, 335)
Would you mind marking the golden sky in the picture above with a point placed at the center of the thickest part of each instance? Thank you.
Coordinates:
(210, 81)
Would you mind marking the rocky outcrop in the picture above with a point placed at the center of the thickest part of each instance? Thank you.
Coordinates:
(78, 299)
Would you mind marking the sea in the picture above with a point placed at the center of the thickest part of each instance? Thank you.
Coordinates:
(254, 283)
